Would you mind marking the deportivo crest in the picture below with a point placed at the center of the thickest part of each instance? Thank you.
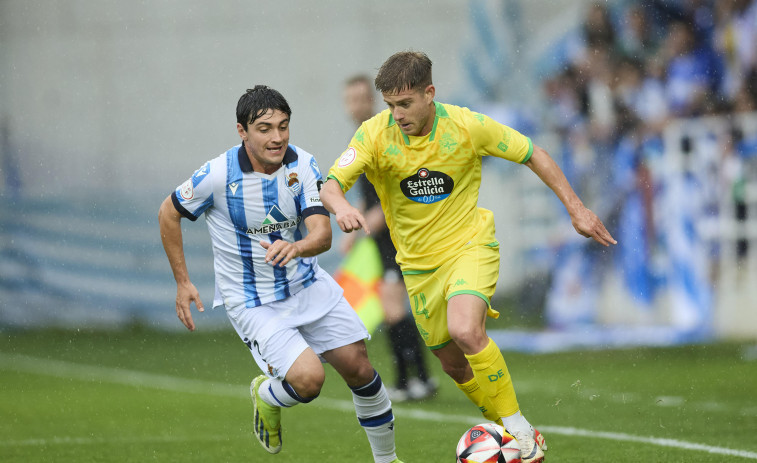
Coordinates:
(427, 186)
(274, 221)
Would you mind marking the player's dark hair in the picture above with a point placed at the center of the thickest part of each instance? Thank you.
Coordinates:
(405, 70)
(257, 101)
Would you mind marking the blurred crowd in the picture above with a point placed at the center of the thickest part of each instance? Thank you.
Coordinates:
(635, 66)
(640, 63)
(631, 72)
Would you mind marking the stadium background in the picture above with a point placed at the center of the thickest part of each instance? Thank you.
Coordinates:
(107, 106)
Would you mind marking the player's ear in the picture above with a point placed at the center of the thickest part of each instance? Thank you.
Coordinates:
(242, 132)
(429, 93)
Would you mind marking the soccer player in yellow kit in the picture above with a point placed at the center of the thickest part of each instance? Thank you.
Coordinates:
(424, 160)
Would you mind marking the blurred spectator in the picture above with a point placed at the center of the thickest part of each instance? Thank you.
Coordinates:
(735, 38)
(688, 72)
(637, 38)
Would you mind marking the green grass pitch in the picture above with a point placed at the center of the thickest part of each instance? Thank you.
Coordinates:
(140, 395)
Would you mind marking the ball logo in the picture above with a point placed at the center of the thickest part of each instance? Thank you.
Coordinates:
(427, 186)
(348, 157)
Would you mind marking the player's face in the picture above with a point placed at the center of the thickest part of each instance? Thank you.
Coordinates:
(358, 101)
(266, 140)
(413, 110)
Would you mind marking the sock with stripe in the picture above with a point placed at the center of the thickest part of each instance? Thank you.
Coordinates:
(473, 391)
(374, 412)
(279, 393)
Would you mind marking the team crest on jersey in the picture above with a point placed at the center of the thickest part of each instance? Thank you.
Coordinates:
(273, 222)
(427, 186)
(186, 190)
(293, 183)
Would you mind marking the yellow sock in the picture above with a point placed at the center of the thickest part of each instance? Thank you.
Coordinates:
(473, 391)
(490, 371)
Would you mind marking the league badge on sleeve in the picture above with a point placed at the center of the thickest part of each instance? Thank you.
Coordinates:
(186, 190)
(348, 157)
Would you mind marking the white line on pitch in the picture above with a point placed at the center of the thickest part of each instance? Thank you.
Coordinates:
(61, 369)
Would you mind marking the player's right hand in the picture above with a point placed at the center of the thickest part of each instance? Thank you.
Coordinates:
(350, 219)
(186, 293)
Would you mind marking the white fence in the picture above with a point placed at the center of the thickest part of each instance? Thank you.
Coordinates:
(722, 153)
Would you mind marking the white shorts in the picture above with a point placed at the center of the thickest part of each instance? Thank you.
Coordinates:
(318, 317)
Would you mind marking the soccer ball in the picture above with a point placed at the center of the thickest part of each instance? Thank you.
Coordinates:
(488, 442)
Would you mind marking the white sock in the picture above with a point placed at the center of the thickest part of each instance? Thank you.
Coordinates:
(279, 393)
(374, 412)
(517, 422)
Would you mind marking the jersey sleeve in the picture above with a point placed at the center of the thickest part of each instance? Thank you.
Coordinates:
(356, 159)
(195, 196)
(310, 199)
(490, 138)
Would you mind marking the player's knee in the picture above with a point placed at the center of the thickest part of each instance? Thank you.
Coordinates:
(308, 384)
(470, 338)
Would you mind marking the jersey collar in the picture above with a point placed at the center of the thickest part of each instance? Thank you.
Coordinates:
(244, 161)
(440, 112)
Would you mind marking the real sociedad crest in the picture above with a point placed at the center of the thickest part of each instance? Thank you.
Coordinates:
(293, 183)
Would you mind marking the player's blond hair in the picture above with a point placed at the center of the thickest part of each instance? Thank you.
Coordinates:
(405, 70)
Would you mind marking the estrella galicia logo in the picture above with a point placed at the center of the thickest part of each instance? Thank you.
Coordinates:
(427, 186)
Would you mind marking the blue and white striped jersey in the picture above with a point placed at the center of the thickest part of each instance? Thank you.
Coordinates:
(243, 208)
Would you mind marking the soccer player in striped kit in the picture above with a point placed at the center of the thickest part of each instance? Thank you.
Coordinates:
(424, 160)
(267, 224)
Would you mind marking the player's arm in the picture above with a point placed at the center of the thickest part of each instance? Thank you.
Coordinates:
(584, 221)
(347, 216)
(170, 234)
(317, 241)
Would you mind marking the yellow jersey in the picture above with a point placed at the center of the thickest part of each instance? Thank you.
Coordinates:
(428, 186)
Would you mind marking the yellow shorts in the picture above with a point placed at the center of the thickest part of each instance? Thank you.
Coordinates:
(474, 270)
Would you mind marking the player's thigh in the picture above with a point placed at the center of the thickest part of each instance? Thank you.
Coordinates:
(466, 318)
(339, 326)
(393, 297)
(274, 343)
(474, 271)
(428, 307)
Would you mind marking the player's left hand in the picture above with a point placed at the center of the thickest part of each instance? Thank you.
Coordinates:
(588, 224)
(280, 252)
